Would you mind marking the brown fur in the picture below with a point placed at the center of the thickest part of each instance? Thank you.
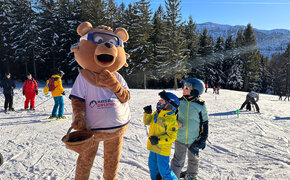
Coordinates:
(106, 79)
(78, 107)
(100, 74)
(112, 152)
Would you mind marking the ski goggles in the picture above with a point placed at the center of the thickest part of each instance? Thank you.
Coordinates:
(187, 86)
(103, 37)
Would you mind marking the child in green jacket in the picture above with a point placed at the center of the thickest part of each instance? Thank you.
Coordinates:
(193, 129)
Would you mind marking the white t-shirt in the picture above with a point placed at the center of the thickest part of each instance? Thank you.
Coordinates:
(103, 108)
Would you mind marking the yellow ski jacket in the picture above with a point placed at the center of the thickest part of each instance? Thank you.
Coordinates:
(58, 86)
(164, 126)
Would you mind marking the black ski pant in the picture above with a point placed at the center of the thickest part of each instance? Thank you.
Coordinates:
(250, 100)
(8, 101)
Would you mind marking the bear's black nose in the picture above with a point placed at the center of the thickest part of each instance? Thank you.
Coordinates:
(108, 45)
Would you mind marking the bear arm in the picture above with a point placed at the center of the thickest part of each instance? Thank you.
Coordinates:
(123, 95)
(79, 112)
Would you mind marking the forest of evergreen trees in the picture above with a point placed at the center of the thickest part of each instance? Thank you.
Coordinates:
(36, 37)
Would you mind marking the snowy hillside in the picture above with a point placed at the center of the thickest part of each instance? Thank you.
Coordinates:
(251, 147)
(269, 41)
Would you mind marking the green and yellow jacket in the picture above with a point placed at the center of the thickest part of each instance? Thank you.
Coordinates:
(193, 115)
(164, 126)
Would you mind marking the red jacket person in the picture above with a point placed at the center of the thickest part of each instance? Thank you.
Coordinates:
(30, 90)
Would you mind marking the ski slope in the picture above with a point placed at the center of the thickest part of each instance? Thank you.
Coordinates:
(249, 147)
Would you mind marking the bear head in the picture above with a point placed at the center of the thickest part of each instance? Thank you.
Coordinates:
(101, 48)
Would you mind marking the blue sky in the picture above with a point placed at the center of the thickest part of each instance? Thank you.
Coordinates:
(262, 14)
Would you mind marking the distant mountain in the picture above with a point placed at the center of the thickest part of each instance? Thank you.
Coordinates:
(268, 41)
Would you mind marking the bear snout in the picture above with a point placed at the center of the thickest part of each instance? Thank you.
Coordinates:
(108, 45)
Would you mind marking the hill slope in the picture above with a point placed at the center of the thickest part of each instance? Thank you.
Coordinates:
(253, 146)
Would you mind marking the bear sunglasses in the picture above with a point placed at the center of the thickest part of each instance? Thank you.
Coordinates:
(94, 38)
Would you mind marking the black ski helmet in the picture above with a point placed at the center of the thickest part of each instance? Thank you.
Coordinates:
(195, 85)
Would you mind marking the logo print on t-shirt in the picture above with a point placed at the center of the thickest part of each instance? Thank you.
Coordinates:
(93, 104)
(107, 103)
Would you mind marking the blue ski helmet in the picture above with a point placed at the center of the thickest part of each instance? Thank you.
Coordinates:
(170, 99)
(195, 85)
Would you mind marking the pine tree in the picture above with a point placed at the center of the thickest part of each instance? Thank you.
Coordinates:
(111, 14)
(206, 58)
(6, 55)
(139, 47)
(264, 83)
(175, 66)
(144, 53)
(131, 18)
(236, 78)
(192, 39)
(23, 31)
(286, 68)
(75, 15)
(68, 19)
(93, 11)
(48, 36)
(159, 48)
(277, 74)
(251, 59)
(229, 58)
(219, 60)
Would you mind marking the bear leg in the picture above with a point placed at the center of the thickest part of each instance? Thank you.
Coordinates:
(112, 153)
(85, 162)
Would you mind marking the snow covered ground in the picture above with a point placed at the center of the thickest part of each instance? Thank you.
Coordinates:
(253, 146)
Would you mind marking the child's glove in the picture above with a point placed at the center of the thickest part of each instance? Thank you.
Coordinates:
(148, 109)
(63, 93)
(36, 92)
(201, 145)
(23, 93)
(196, 145)
(154, 140)
(194, 149)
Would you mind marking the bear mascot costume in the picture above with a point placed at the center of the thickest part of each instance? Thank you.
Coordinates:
(100, 96)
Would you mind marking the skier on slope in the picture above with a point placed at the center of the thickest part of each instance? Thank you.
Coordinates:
(57, 94)
(214, 89)
(8, 85)
(30, 90)
(192, 129)
(253, 98)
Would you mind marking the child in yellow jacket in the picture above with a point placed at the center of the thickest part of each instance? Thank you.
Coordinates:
(162, 133)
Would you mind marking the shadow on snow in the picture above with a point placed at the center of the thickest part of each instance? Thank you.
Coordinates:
(223, 113)
(281, 118)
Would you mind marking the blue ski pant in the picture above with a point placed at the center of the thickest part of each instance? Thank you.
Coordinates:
(160, 164)
(58, 105)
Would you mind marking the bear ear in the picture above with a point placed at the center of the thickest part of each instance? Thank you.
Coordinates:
(122, 33)
(84, 28)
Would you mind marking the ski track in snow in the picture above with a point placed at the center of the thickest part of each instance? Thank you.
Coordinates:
(249, 147)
